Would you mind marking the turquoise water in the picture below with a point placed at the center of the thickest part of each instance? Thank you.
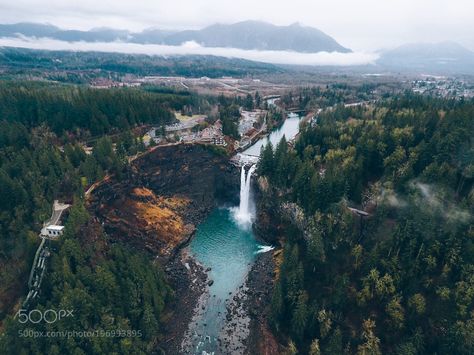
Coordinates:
(229, 250)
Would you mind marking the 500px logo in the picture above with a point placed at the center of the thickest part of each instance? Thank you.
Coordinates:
(49, 316)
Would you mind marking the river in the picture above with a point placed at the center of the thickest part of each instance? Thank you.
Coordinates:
(225, 243)
(289, 129)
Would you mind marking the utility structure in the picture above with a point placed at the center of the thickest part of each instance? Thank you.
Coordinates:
(50, 231)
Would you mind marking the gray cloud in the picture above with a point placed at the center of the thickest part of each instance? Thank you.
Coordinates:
(363, 24)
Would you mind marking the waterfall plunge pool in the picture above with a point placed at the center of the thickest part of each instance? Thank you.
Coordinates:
(225, 243)
(229, 249)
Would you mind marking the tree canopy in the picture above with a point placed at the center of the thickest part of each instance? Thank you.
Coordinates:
(399, 280)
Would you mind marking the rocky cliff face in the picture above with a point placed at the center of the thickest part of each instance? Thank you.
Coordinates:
(166, 194)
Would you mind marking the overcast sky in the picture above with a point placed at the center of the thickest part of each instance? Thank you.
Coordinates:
(363, 25)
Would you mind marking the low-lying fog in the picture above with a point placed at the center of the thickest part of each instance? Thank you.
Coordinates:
(193, 48)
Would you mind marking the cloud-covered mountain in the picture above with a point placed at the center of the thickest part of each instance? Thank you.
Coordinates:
(443, 57)
(261, 36)
(150, 36)
(28, 30)
(243, 35)
(251, 40)
(94, 35)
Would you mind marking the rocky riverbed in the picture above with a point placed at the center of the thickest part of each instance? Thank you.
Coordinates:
(237, 326)
(189, 281)
(245, 330)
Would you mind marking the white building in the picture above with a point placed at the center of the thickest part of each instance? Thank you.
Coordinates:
(52, 231)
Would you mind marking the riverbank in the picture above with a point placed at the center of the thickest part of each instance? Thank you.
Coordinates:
(227, 250)
(246, 330)
(264, 132)
(289, 128)
(189, 282)
(260, 283)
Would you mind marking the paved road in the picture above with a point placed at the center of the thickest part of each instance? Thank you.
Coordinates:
(58, 209)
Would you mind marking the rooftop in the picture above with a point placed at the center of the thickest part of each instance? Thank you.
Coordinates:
(55, 227)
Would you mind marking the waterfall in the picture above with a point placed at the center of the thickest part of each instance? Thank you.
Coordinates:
(243, 214)
(242, 189)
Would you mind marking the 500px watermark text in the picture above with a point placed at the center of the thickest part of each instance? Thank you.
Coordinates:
(36, 316)
(99, 333)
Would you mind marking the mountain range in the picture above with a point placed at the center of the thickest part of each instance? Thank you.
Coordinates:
(244, 35)
(435, 58)
(442, 57)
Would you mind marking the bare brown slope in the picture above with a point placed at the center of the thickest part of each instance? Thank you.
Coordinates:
(165, 195)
